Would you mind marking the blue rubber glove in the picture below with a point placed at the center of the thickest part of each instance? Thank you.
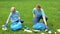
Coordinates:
(47, 27)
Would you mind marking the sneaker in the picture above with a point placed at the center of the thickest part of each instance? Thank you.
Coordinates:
(27, 31)
(36, 31)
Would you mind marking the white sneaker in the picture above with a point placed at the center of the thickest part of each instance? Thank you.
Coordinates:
(27, 31)
(46, 30)
(36, 31)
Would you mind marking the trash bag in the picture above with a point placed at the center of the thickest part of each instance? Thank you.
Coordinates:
(16, 26)
(39, 26)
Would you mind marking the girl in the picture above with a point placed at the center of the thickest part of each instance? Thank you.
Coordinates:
(14, 16)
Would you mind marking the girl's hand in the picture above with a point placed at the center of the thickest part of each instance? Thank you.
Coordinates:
(4, 27)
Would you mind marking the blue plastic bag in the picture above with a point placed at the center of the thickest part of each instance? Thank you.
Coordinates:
(39, 26)
(16, 26)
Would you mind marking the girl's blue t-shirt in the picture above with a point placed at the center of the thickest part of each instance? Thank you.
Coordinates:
(38, 13)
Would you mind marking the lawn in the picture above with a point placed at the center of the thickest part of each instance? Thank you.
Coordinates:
(25, 7)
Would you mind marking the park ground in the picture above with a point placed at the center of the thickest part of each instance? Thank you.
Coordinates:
(25, 7)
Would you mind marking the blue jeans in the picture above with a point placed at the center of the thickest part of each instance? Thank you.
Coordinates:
(37, 19)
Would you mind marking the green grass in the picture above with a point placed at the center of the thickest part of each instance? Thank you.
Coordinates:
(25, 7)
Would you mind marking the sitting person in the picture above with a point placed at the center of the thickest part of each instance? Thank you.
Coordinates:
(14, 16)
(38, 14)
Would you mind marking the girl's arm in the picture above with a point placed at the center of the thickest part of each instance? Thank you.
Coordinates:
(33, 12)
(8, 18)
(44, 20)
(43, 14)
(33, 15)
(18, 15)
(19, 18)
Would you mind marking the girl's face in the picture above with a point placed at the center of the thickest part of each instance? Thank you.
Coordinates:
(13, 9)
(38, 8)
